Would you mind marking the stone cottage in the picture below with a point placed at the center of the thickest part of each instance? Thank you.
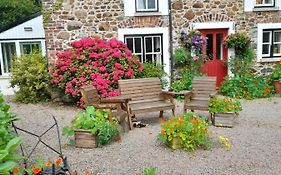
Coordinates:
(152, 28)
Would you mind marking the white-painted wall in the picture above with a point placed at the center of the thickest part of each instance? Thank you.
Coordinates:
(250, 4)
(130, 8)
(155, 30)
(261, 27)
(17, 35)
(219, 25)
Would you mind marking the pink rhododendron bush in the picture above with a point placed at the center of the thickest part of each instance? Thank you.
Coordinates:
(94, 62)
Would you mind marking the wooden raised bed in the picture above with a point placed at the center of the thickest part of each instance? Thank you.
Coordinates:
(224, 119)
(84, 139)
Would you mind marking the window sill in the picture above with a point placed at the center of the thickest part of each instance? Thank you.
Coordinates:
(265, 9)
(266, 60)
(139, 14)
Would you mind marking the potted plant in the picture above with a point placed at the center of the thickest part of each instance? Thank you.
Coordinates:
(276, 77)
(187, 131)
(239, 41)
(92, 128)
(223, 110)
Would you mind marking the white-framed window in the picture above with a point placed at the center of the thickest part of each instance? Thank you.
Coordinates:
(29, 47)
(146, 5)
(266, 3)
(148, 48)
(271, 43)
(8, 52)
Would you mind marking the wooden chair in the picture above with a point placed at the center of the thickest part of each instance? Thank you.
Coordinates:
(198, 98)
(118, 106)
(146, 96)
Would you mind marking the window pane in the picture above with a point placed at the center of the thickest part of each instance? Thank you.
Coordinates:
(268, 1)
(266, 37)
(129, 42)
(265, 49)
(148, 58)
(277, 36)
(141, 4)
(138, 45)
(35, 47)
(8, 51)
(27, 48)
(148, 44)
(276, 49)
(157, 45)
(151, 4)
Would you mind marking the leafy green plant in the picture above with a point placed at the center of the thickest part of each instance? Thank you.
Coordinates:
(95, 121)
(248, 87)
(191, 130)
(154, 70)
(150, 171)
(224, 105)
(8, 156)
(30, 74)
(276, 74)
(239, 41)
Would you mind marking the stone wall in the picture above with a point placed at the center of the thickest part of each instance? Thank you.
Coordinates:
(102, 18)
(95, 18)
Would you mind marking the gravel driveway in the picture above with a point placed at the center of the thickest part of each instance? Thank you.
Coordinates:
(255, 140)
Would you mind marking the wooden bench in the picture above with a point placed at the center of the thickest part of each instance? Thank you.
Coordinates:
(198, 98)
(117, 105)
(146, 96)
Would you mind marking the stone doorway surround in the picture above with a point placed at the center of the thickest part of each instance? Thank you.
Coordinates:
(218, 25)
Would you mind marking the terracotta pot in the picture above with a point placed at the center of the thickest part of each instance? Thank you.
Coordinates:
(277, 85)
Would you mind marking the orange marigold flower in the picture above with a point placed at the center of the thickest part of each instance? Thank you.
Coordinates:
(247, 92)
(279, 61)
(267, 90)
(49, 163)
(161, 120)
(194, 121)
(180, 120)
(15, 170)
(36, 170)
(162, 132)
(58, 162)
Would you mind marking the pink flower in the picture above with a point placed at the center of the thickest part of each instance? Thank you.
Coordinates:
(102, 69)
(116, 54)
(128, 53)
(118, 66)
(63, 68)
(73, 69)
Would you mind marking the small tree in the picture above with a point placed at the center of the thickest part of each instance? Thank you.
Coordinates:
(30, 74)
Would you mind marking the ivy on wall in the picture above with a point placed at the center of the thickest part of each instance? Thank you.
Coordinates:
(48, 12)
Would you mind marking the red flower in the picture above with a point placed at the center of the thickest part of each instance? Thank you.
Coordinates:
(58, 162)
(36, 170)
(15, 170)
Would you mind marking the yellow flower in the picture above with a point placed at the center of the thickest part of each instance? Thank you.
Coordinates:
(227, 145)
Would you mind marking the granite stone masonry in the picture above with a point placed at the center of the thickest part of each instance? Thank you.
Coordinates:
(102, 19)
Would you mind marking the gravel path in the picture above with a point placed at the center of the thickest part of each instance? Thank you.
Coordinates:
(255, 140)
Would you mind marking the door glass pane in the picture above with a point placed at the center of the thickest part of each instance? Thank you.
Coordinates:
(129, 42)
(277, 36)
(138, 45)
(266, 37)
(151, 4)
(141, 4)
(8, 51)
(148, 44)
(265, 49)
(209, 47)
(157, 46)
(219, 38)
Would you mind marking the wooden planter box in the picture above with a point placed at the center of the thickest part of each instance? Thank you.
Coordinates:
(223, 119)
(84, 139)
(175, 143)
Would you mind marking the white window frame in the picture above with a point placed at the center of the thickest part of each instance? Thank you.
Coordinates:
(143, 48)
(267, 43)
(262, 27)
(263, 4)
(276, 54)
(146, 9)
(2, 59)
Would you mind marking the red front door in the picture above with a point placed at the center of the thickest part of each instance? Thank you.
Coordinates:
(217, 53)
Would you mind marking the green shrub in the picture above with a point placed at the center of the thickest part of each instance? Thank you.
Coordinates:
(30, 74)
(248, 87)
(152, 70)
(185, 83)
(150, 171)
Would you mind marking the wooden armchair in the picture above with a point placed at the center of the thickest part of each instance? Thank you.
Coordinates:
(198, 98)
(117, 105)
